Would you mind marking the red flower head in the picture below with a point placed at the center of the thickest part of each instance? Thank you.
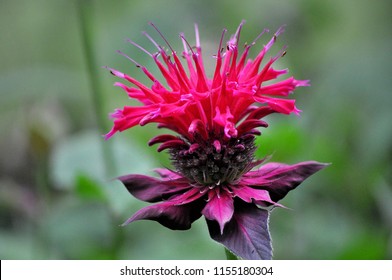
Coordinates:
(215, 122)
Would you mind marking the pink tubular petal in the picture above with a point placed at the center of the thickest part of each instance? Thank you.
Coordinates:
(201, 79)
(273, 74)
(284, 106)
(173, 109)
(181, 74)
(246, 51)
(230, 130)
(168, 96)
(129, 117)
(261, 77)
(253, 67)
(115, 72)
(150, 117)
(148, 92)
(217, 75)
(282, 88)
(220, 207)
(109, 134)
(217, 145)
(193, 148)
(170, 79)
(197, 126)
(134, 93)
(225, 120)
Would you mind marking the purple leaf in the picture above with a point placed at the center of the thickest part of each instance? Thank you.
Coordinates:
(175, 217)
(247, 234)
(177, 214)
(278, 179)
(151, 189)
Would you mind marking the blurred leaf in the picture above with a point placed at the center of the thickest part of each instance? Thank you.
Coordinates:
(74, 155)
(318, 229)
(35, 86)
(39, 143)
(87, 188)
(383, 195)
(74, 229)
(19, 245)
(365, 246)
(283, 140)
(82, 154)
(149, 240)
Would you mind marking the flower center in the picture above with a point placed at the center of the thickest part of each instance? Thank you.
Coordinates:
(211, 163)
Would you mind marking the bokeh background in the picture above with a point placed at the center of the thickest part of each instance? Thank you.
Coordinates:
(57, 196)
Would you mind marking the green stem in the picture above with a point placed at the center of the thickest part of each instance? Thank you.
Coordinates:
(85, 23)
(230, 255)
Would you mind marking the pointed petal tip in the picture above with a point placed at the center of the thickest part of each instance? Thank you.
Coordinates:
(115, 72)
(127, 222)
(108, 135)
(319, 165)
(304, 83)
(280, 30)
(312, 166)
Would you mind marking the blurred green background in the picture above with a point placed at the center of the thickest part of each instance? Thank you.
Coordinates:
(57, 196)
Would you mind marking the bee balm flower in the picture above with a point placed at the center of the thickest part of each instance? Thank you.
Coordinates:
(215, 121)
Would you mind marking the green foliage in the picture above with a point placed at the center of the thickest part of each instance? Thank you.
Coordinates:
(88, 189)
